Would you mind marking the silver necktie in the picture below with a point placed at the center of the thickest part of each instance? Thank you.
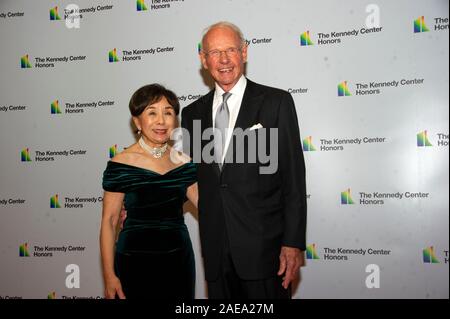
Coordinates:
(221, 124)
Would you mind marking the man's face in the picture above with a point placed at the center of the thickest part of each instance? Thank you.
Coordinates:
(223, 55)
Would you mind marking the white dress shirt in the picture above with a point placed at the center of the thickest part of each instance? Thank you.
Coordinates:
(234, 105)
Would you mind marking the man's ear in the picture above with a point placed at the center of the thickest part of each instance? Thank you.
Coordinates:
(202, 57)
(244, 52)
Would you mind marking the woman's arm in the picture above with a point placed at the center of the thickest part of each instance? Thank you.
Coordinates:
(112, 204)
(192, 194)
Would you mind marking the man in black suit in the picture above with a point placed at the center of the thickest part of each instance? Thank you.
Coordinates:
(252, 218)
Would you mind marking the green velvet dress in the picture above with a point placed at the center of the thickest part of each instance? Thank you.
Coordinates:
(154, 256)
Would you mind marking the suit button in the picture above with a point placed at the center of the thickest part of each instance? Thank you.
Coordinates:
(223, 185)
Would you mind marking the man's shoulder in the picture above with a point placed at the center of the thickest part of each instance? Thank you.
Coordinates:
(265, 89)
(197, 104)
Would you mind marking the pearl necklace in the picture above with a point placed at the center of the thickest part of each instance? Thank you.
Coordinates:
(156, 152)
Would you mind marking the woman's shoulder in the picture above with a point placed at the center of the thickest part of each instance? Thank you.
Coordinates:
(121, 174)
(127, 156)
(179, 157)
(183, 160)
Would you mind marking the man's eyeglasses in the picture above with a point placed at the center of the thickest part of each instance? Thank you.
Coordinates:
(215, 54)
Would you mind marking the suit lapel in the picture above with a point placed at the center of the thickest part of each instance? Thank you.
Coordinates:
(249, 110)
(207, 110)
(251, 102)
(207, 122)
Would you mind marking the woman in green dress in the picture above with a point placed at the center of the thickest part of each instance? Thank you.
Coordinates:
(153, 256)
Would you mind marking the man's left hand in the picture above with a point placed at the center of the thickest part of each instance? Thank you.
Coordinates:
(291, 259)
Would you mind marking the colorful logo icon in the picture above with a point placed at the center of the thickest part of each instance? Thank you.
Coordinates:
(51, 295)
(112, 151)
(343, 89)
(25, 155)
(140, 5)
(305, 39)
(422, 139)
(429, 256)
(54, 107)
(346, 198)
(54, 202)
(307, 144)
(54, 14)
(419, 25)
(25, 62)
(311, 252)
(23, 250)
(113, 56)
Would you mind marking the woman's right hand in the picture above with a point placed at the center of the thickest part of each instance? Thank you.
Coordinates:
(113, 287)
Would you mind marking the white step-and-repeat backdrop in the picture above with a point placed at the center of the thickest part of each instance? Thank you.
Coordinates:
(370, 81)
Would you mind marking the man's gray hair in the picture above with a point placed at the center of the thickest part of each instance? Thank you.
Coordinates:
(224, 24)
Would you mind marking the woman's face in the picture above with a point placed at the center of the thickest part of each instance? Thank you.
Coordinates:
(156, 122)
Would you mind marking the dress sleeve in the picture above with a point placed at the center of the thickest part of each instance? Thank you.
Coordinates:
(190, 175)
(114, 178)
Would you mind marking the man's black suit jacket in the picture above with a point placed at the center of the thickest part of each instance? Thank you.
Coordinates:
(260, 212)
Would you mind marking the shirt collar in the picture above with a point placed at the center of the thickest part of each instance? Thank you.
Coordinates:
(237, 90)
